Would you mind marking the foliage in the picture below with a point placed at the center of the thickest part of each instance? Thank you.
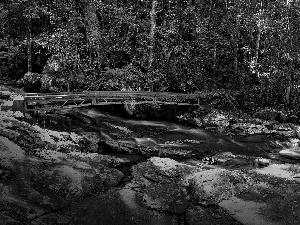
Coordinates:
(246, 46)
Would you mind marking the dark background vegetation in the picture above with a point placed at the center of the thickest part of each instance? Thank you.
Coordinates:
(247, 49)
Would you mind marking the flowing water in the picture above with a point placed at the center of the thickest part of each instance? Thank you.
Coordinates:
(166, 135)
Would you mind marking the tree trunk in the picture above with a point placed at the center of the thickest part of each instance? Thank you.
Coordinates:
(92, 24)
(179, 19)
(236, 39)
(29, 43)
(179, 41)
(215, 59)
(256, 60)
(289, 58)
(165, 9)
(152, 34)
(257, 47)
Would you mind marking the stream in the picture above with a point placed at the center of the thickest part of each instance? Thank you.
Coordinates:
(191, 145)
(97, 165)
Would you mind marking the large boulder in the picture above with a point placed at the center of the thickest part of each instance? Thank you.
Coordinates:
(114, 207)
(159, 184)
(49, 172)
(259, 196)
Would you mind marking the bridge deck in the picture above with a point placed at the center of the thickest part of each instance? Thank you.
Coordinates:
(67, 100)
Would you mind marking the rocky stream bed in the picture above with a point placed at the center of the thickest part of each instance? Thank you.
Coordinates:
(92, 167)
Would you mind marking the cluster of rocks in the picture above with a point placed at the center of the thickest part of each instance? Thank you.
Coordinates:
(64, 177)
(164, 191)
(43, 170)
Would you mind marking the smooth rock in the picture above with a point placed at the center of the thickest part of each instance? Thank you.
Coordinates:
(290, 153)
(262, 162)
(7, 105)
(5, 94)
(197, 215)
(115, 207)
(285, 171)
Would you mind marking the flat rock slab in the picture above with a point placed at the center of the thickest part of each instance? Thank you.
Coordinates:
(261, 197)
(285, 171)
(115, 207)
(208, 216)
(247, 212)
(35, 184)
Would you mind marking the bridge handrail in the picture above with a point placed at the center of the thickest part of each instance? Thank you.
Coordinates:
(107, 94)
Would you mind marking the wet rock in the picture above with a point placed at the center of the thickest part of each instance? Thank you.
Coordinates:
(5, 94)
(31, 136)
(154, 150)
(7, 105)
(175, 153)
(166, 197)
(258, 197)
(228, 159)
(95, 159)
(285, 171)
(75, 181)
(159, 182)
(114, 146)
(114, 207)
(247, 212)
(169, 167)
(7, 220)
(80, 117)
(68, 176)
(262, 162)
(213, 186)
(50, 172)
(208, 216)
(293, 153)
(56, 121)
(129, 148)
(19, 197)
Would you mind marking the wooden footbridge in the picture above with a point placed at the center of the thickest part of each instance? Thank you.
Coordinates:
(63, 101)
(69, 100)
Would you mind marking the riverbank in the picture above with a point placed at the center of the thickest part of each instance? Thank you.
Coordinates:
(90, 167)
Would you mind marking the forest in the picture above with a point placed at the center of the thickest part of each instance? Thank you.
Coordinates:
(149, 112)
(249, 50)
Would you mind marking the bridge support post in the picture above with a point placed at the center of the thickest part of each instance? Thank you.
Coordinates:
(18, 104)
(93, 101)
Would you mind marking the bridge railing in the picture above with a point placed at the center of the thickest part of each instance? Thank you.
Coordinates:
(79, 99)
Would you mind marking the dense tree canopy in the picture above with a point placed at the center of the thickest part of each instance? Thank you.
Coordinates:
(161, 45)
